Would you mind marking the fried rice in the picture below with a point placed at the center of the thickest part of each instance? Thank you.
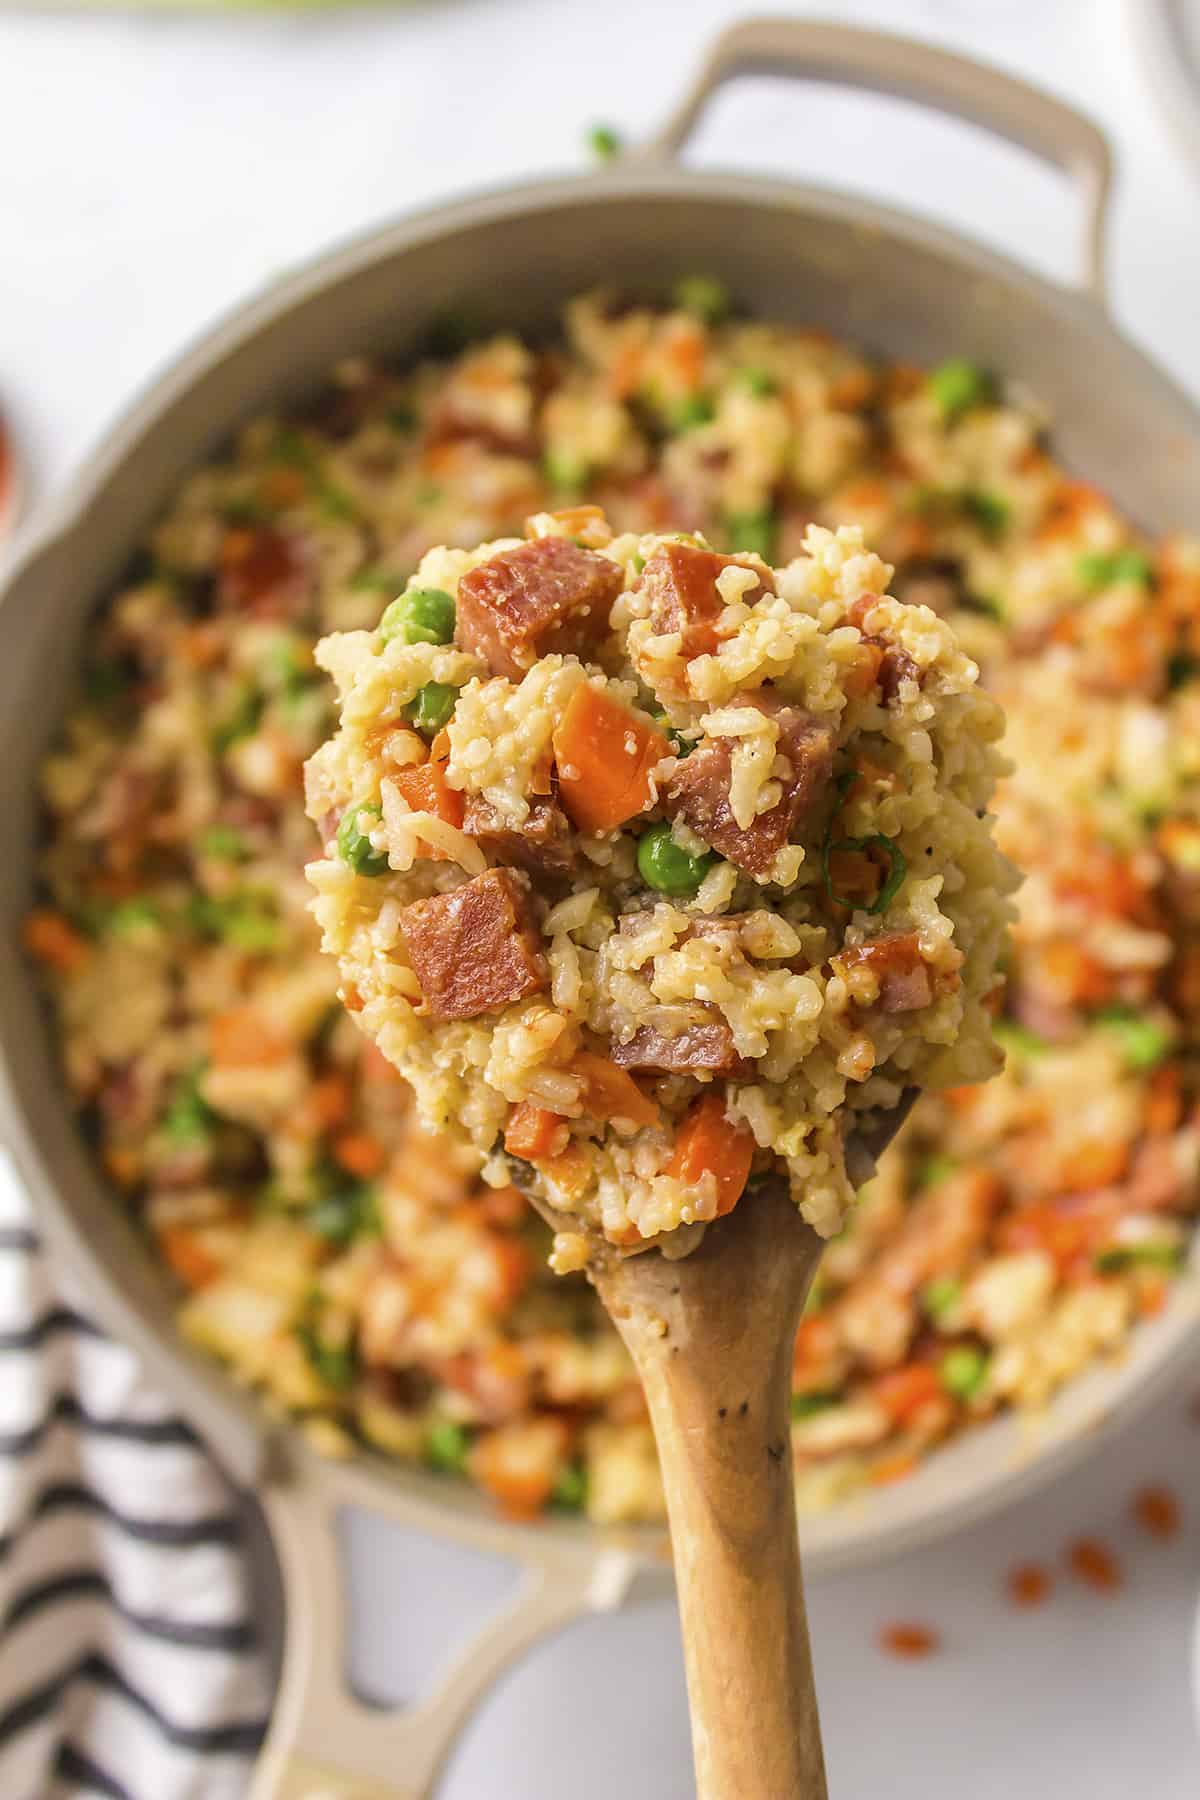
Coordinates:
(355, 1271)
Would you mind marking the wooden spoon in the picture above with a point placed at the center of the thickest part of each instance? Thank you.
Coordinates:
(711, 1335)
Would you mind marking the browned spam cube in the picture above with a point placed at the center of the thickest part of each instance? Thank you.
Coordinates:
(681, 582)
(476, 949)
(550, 595)
(698, 791)
(542, 844)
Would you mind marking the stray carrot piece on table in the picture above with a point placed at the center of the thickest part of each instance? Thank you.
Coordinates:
(1157, 1512)
(1094, 1564)
(910, 1641)
(710, 1143)
(1029, 1584)
(533, 1132)
(604, 755)
(48, 937)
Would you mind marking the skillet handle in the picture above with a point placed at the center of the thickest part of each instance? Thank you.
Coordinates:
(908, 69)
(323, 1742)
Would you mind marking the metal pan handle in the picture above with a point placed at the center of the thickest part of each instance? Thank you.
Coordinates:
(910, 70)
(323, 1742)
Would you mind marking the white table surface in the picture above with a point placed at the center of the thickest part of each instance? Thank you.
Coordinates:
(154, 172)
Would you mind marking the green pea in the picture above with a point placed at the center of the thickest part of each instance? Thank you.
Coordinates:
(753, 531)
(132, 917)
(422, 616)
(958, 385)
(446, 1447)
(246, 919)
(1099, 569)
(345, 1211)
(704, 296)
(991, 512)
(696, 409)
(335, 1364)
(353, 844)
(666, 867)
(432, 707)
(189, 1118)
(222, 843)
(936, 1168)
(1017, 1041)
(570, 1491)
(604, 142)
(940, 1296)
(565, 470)
(963, 1371)
(759, 382)
(805, 1406)
(1142, 1042)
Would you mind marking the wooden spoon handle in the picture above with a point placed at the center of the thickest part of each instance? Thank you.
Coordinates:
(712, 1340)
(727, 1470)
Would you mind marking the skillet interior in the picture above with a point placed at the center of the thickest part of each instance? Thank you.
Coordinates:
(897, 287)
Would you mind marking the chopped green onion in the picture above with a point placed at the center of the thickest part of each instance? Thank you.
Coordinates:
(1120, 1257)
(963, 1371)
(246, 919)
(817, 1401)
(752, 531)
(345, 1211)
(335, 1364)
(565, 470)
(241, 721)
(130, 917)
(570, 1491)
(897, 870)
(295, 451)
(1099, 569)
(940, 1297)
(1142, 1042)
(637, 562)
(354, 844)
(936, 1168)
(704, 296)
(432, 707)
(958, 385)
(604, 142)
(446, 1447)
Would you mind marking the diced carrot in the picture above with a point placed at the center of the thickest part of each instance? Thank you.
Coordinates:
(242, 1038)
(1071, 974)
(48, 936)
(851, 389)
(604, 755)
(533, 1132)
(890, 1469)
(359, 1153)
(512, 1266)
(910, 538)
(1164, 1100)
(625, 372)
(518, 1464)
(1069, 508)
(329, 1100)
(202, 644)
(1157, 1512)
(439, 750)
(903, 1392)
(1029, 1584)
(708, 1142)
(187, 1257)
(351, 999)
(570, 1172)
(684, 351)
(816, 1344)
(503, 1206)
(123, 1164)
(1094, 1564)
(587, 523)
(1152, 1291)
(1094, 1164)
(909, 1641)
(424, 788)
(612, 1093)
(861, 675)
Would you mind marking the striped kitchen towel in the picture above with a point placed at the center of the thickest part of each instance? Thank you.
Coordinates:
(129, 1661)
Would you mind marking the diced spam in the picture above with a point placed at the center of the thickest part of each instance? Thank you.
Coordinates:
(681, 581)
(476, 949)
(896, 962)
(547, 596)
(698, 791)
(542, 844)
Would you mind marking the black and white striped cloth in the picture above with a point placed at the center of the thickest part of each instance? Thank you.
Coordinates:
(130, 1665)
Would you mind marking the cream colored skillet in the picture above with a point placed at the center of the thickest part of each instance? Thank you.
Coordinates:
(902, 288)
